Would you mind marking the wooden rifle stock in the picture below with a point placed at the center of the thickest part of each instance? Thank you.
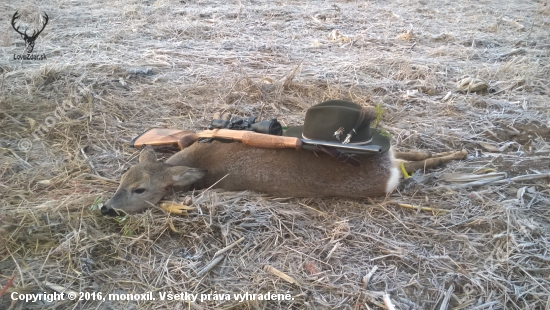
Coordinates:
(184, 138)
(159, 136)
(251, 138)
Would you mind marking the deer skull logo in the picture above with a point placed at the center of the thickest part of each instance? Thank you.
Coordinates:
(29, 40)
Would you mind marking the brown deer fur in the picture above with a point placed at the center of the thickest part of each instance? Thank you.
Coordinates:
(281, 173)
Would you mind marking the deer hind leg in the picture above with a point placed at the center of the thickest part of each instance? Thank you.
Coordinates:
(413, 161)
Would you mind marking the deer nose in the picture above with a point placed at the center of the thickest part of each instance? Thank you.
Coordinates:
(107, 211)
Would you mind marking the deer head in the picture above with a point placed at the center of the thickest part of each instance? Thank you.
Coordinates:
(146, 183)
(29, 40)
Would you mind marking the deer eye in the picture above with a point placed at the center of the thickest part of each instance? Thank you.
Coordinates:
(139, 190)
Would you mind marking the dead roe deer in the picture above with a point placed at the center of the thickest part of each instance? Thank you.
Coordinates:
(238, 167)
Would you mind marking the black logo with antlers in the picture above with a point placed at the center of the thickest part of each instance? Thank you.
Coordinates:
(29, 40)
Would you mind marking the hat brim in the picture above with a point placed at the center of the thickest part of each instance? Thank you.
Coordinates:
(377, 137)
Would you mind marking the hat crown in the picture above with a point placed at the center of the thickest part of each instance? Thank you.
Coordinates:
(333, 120)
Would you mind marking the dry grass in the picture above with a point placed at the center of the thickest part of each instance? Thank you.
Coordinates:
(129, 65)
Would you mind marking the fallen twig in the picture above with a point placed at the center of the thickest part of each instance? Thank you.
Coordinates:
(448, 295)
(280, 274)
(97, 177)
(332, 251)
(311, 208)
(387, 302)
(496, 181)
(369, 275)
(467, 177)
(404, 205)
(16, 156)
(60, 289)
(229, 247)
(10, 282)
(211, 265)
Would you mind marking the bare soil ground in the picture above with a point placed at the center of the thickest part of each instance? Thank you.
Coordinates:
(115, 68)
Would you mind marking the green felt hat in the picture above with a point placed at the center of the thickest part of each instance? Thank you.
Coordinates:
(323, 120)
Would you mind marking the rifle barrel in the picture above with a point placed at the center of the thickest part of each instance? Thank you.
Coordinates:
(358, 149)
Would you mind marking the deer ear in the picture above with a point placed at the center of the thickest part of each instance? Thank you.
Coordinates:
(148, 155)
(183, 176)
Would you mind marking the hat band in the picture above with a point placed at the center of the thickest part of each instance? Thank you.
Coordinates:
(351, 143)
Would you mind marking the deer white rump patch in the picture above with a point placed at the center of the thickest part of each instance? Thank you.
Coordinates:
(395, 174)
(393, 181)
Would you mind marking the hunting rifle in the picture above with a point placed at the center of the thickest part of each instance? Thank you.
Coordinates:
(184, 138)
